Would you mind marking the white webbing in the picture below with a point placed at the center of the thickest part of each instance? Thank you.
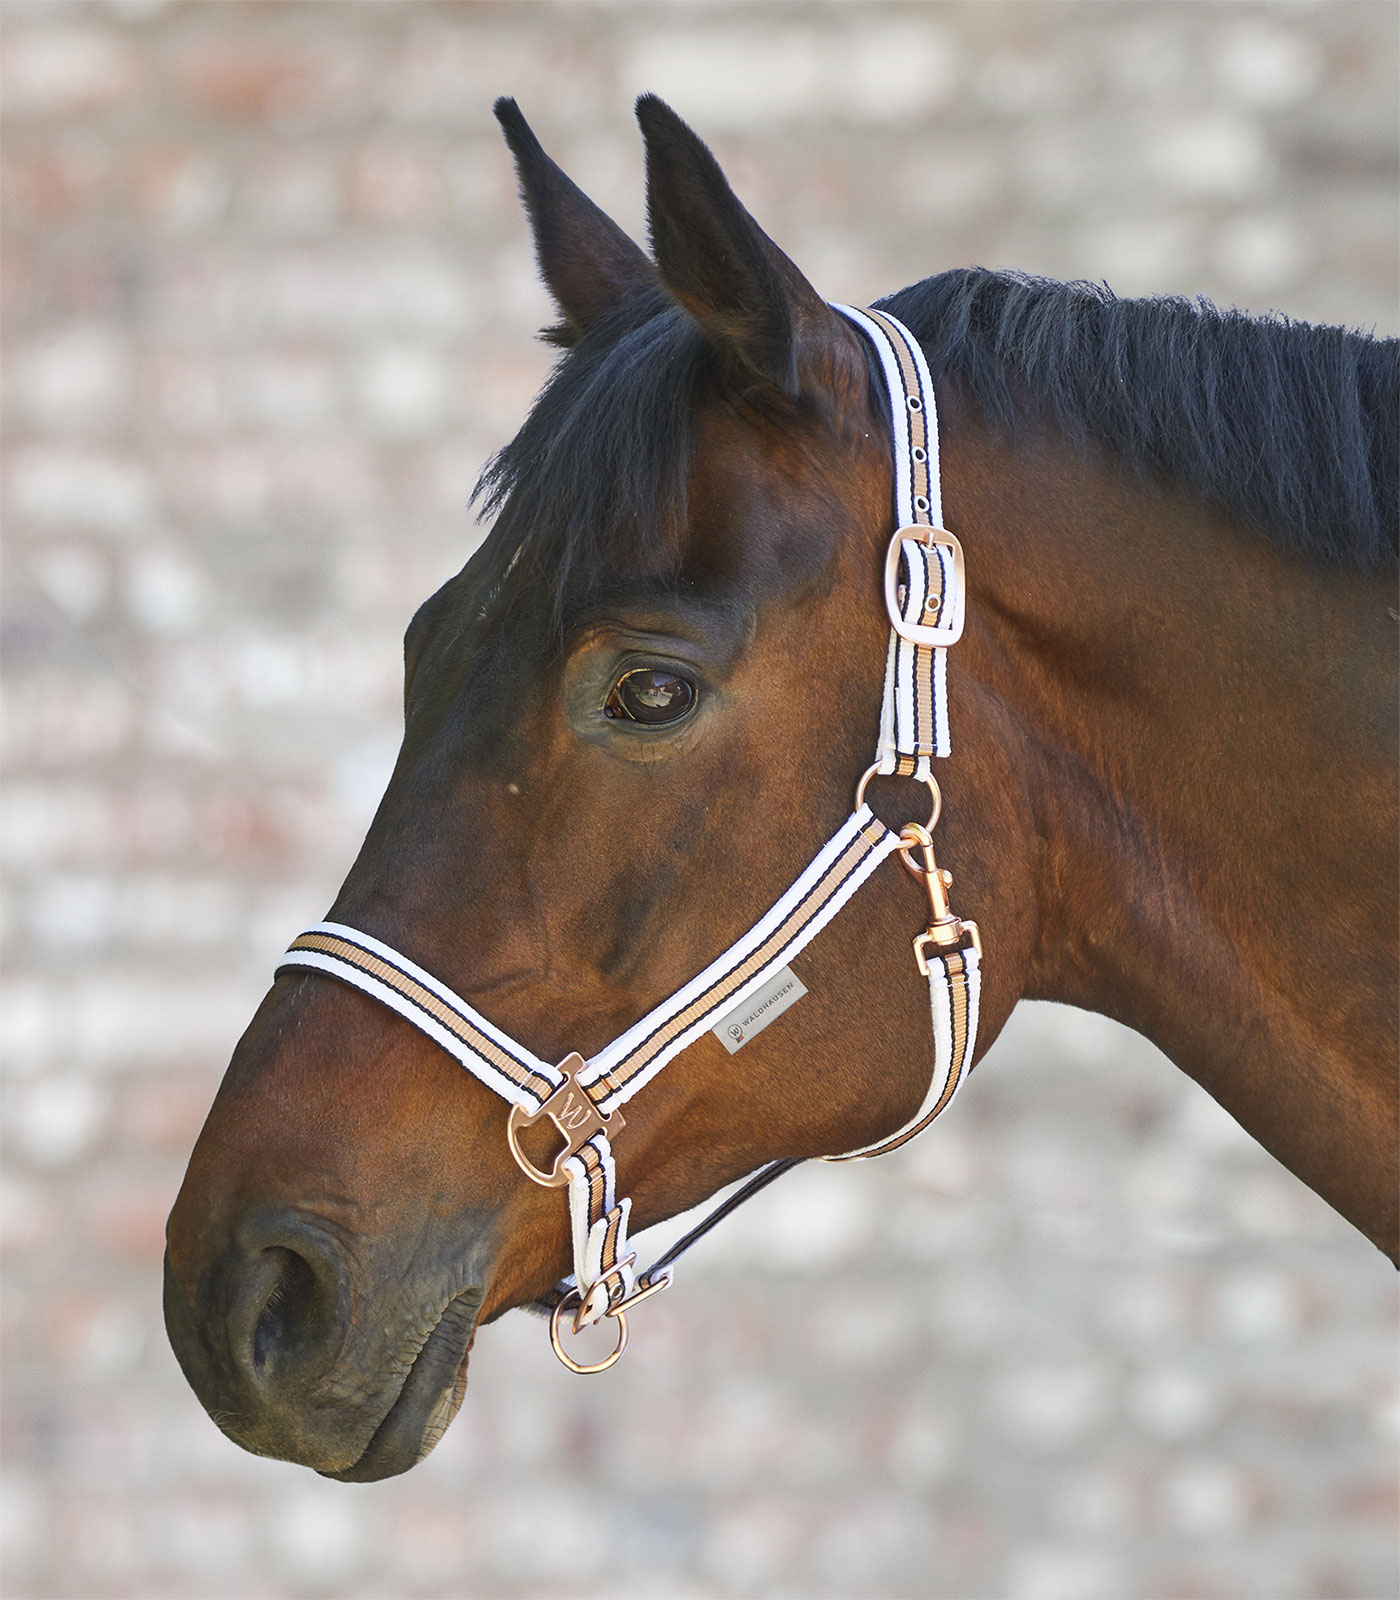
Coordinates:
(603, 1267)
(480, 1066)
(909, 729)
(592, 1202)
(878, 326)
(708, 986)
(954, 1039)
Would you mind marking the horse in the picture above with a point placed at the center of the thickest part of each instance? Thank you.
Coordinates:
(640, 708)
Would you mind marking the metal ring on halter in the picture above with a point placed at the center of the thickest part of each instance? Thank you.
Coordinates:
(556, 1316)
(931, 781)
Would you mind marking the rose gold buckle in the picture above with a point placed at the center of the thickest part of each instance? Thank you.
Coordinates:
(957, 935)
(615, 1271)
(573, 1112)
(931, 635)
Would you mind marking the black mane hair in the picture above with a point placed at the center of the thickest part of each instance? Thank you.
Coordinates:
(1289, 427)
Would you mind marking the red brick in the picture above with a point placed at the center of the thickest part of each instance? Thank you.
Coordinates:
(179, 186)
(251, 78)
(396, 183)
(55, 182)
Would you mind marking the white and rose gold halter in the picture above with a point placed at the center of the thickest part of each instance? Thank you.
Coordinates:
(925, 598)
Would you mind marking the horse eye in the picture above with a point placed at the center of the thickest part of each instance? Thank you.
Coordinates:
(646, 695)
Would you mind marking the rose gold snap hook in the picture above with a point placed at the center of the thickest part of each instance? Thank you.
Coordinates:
(933, 789)
(915, 836)
(556, 1338)
(945, 930)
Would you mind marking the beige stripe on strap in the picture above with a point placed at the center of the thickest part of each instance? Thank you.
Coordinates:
(425, 999)
(802, 913)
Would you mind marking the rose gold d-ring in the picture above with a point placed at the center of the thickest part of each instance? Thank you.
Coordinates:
(931, 781)
(556, 1316)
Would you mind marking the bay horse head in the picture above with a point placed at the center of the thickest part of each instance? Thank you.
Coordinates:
(631, 723)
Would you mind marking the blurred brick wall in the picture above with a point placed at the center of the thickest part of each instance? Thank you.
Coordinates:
(268, 306)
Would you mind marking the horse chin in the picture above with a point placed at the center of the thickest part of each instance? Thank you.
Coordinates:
(431, 1396)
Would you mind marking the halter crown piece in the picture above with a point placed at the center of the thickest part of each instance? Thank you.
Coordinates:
(925, 598)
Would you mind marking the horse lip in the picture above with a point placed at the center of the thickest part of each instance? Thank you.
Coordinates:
(435, 1384)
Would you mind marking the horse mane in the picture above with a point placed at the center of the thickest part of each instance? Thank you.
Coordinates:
(1284, 425)
(1287, 426)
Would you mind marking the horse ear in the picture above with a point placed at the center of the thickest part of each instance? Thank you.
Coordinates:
(751, 300)
(587, 262)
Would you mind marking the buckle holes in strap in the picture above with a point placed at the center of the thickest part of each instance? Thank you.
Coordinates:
(915, 404)
(919, 453)
(921, 502)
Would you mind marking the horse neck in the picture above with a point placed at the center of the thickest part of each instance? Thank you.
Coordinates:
(1206, 738)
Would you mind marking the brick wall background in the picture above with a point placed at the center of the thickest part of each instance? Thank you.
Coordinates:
(269, 304)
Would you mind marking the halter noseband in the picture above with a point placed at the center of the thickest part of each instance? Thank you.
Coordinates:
(925, 597)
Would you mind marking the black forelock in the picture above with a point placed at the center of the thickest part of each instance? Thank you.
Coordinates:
(591, 490)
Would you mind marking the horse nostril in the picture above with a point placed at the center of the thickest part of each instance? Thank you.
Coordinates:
(289, 1302)
(289, 1317)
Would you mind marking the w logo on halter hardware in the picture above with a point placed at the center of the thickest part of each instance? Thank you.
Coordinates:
(571, 1114)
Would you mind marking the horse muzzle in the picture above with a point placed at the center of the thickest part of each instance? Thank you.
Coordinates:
(289, 1365)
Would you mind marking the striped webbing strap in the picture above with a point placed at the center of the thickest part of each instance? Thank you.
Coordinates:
(914, 708)
(913, 727)
(954, 989)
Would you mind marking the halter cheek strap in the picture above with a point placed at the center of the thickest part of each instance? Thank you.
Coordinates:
(583, 1099)
(926, 610)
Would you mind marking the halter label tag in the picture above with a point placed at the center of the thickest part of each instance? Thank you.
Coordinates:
(763, 1006)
